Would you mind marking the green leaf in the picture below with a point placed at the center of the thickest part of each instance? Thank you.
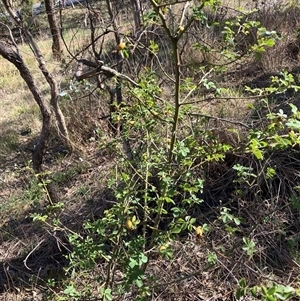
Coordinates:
(143, 258)
(264, 289)
(271, 173)
(176, 230)
(71, 291)
(212, 258)
(242, 282)
(153, 47)
(169, 200)
(139, 282)
(125, 53)
(237, 221)
(254, 291)
(294, 124)
(269, 42)
(295, 202)
(107, 295)
(240, 293)
(258, 56)
(293, 108)
(258, 153)
(284, 289)
(272, 289)
(133, 263)
(192, 220)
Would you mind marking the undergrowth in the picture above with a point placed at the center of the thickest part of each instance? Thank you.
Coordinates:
(191, 198)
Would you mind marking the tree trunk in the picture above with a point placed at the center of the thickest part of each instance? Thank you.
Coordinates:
(40, 147)
(62, 128)
(56, 46)
(137, 14)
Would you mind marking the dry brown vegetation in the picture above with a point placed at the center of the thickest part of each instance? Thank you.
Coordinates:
(32, 255)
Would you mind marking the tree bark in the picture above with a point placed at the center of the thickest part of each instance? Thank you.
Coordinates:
(15, 58)
(62, 128)
(137, 14)
(56, 45)
(40, 147)
(37, 156)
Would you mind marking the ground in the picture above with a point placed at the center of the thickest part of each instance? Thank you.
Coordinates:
(206, 266)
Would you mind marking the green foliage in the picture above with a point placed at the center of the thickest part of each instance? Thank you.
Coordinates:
(212, 258)
(244, 174)
(264, 39)
(158, 193)
(270, 292)
(249, 246)
(280, 133)
(227, 217)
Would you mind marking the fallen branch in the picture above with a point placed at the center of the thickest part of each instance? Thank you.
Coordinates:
(99, 68)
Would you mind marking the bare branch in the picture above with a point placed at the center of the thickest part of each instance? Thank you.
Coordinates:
(100, 68)
(11, 37)
(220, 119)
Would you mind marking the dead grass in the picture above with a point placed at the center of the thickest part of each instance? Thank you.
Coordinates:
(81, 177)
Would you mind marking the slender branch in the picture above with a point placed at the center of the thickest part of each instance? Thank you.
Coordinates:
(11, 38)
(174, 42)
(195, 87)
(36, 247)
(225, 98)
(159, 62)
(221, 119)
(171, 3)
(156, 7)
(183, 13)
(188, 24)
(100, 68)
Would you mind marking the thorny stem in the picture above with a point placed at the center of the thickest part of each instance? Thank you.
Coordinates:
(174, 42)
(174, 37)
(146, 191)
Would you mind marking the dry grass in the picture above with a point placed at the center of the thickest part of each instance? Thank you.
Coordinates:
(80, 179)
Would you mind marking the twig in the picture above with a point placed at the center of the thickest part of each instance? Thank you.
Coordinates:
(183, 13)
(221, 119)
(25, 260)
(99, 68)
(179, 279)
(11, 37)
